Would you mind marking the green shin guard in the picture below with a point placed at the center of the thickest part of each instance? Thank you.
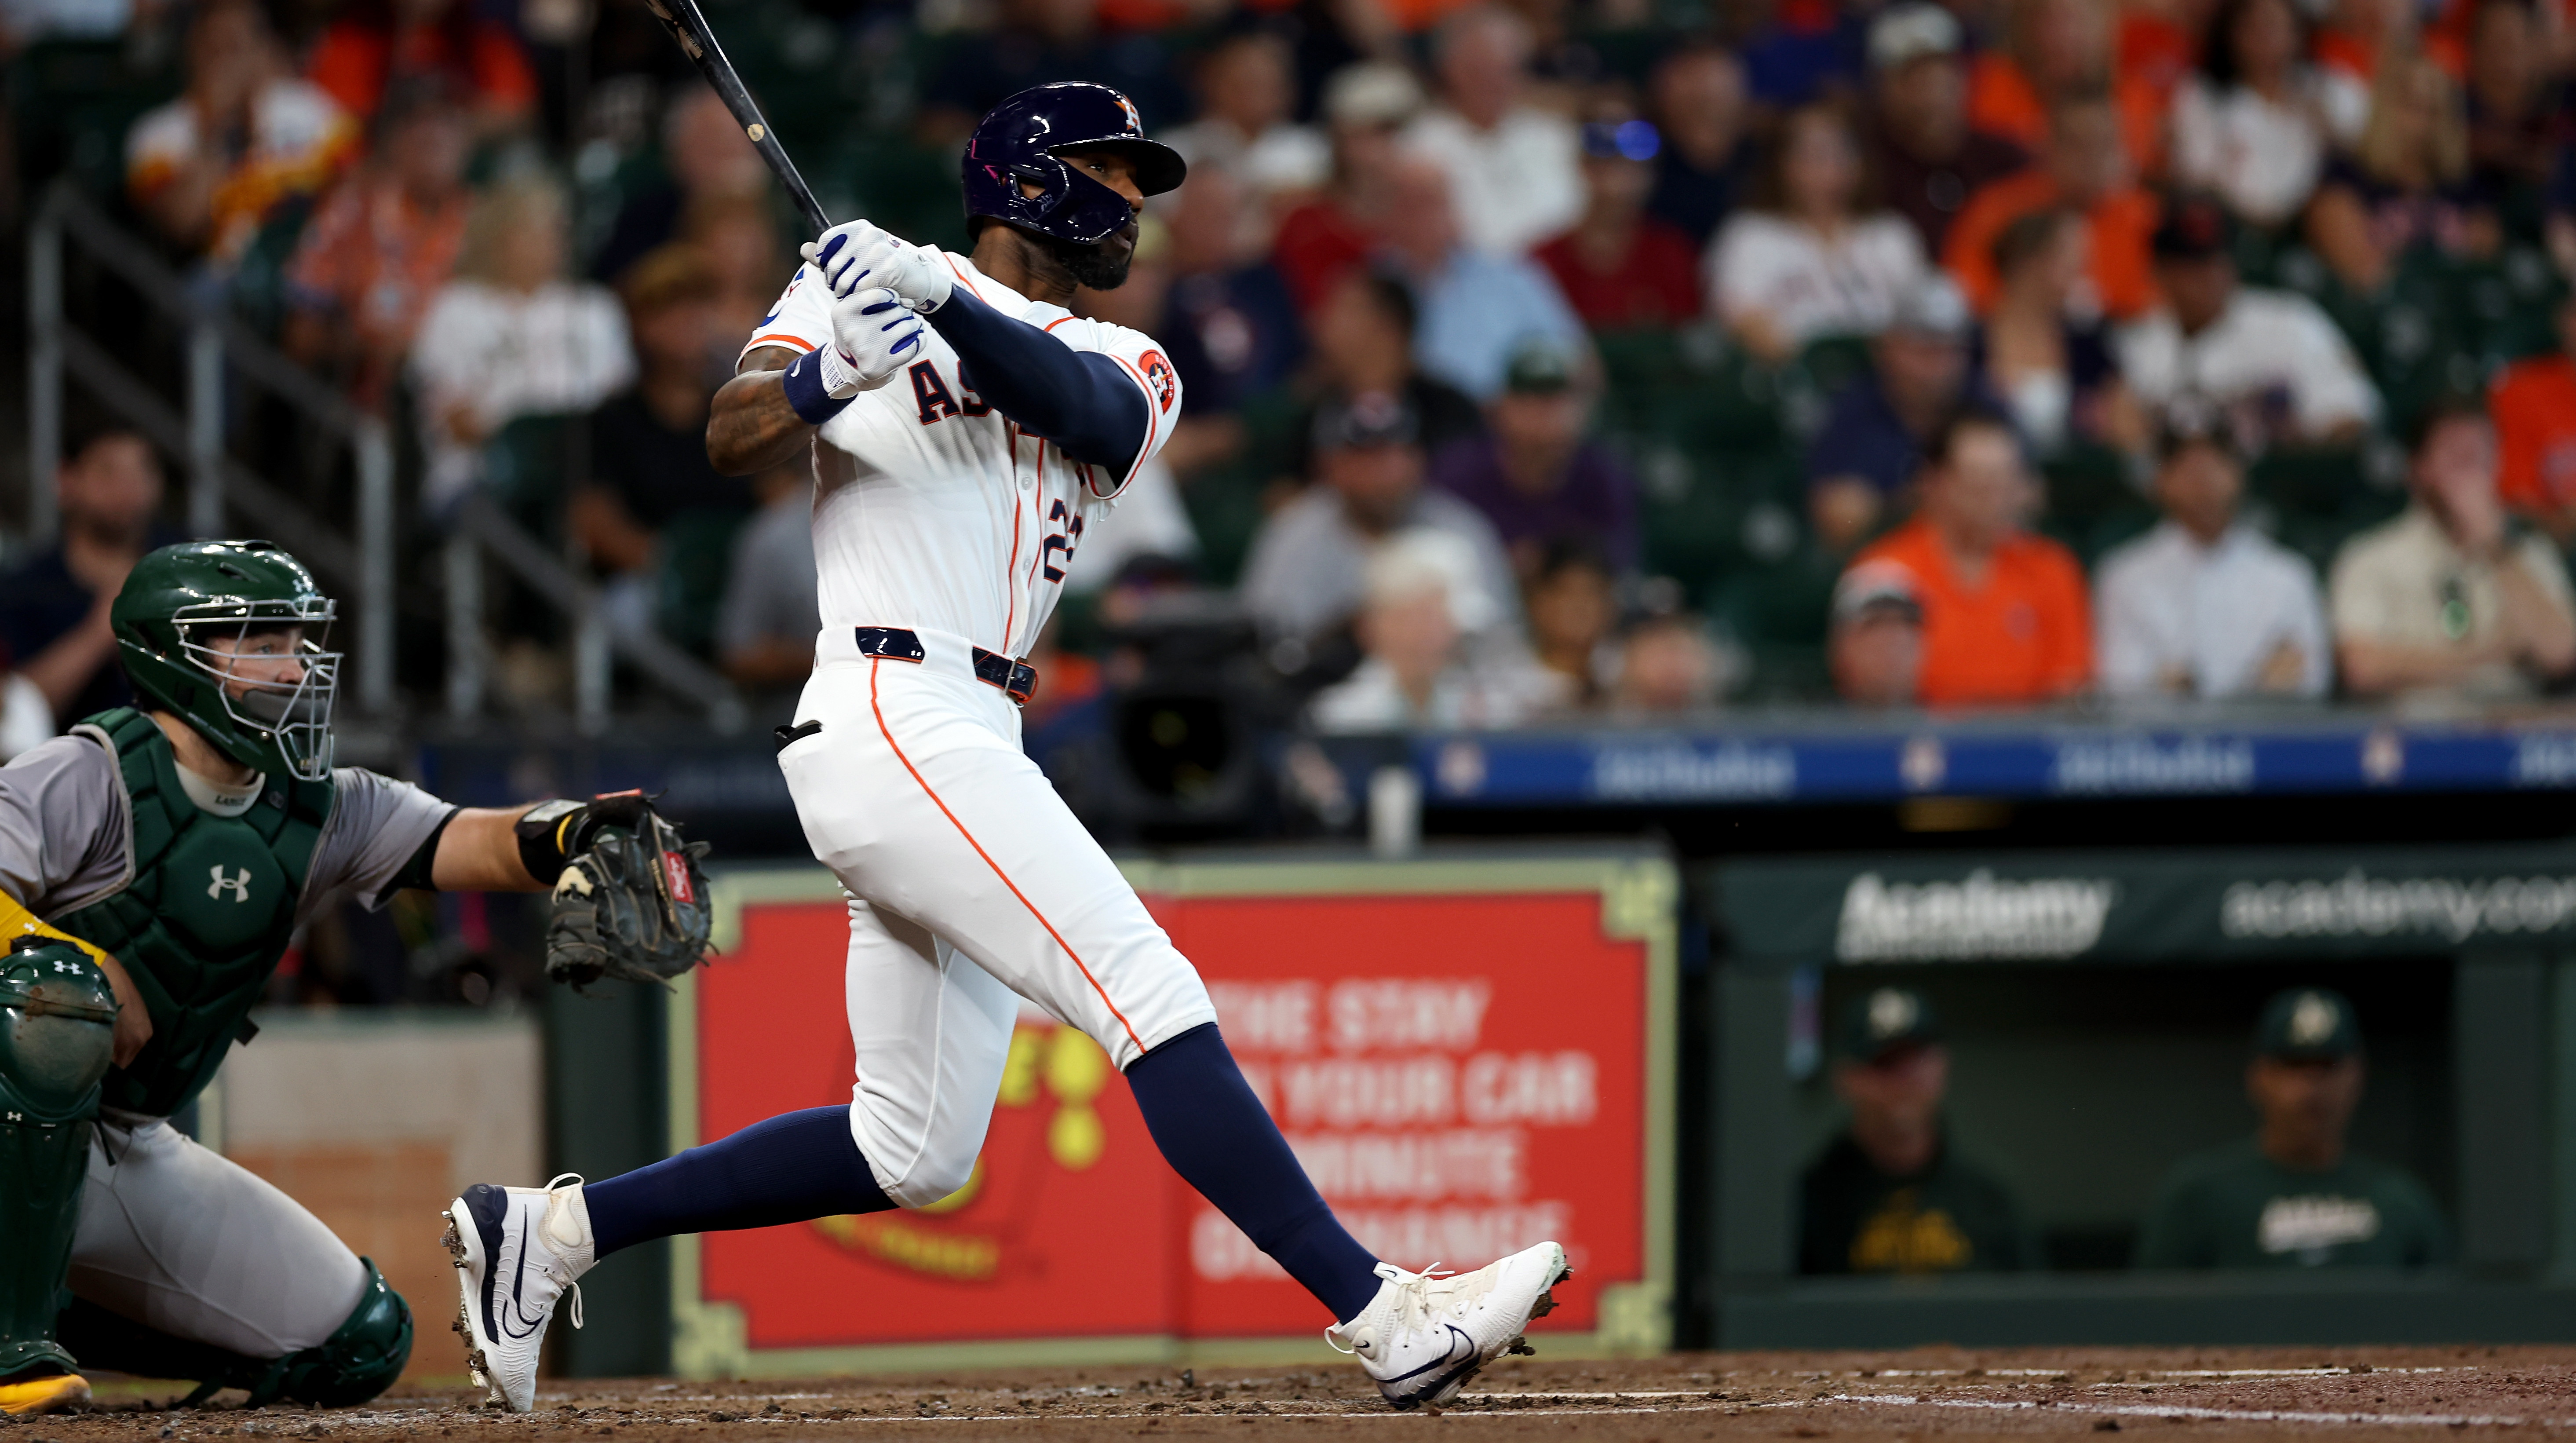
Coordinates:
(57, 1037)
(361, 1359)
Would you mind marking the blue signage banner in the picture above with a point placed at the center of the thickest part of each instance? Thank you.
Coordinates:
(1752, 765)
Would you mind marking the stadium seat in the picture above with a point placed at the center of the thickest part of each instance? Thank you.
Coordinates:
(1225, 501)
(2316, 498)
(696, 557)
(909, 189)
(1835, 362)
(1778, 612)
(2093, 502)
(258, 284)
(73, 101)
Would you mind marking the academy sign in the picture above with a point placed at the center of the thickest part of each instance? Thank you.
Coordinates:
(2044, 918)
(2140, 906)
(2357, 904)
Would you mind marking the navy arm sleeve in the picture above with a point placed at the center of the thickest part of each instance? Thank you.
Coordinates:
(1083, 401)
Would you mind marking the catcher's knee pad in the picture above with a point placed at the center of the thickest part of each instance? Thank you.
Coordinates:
(57, 1038)
(360, 1359)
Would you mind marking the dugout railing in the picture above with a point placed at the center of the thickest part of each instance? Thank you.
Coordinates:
(226, 363)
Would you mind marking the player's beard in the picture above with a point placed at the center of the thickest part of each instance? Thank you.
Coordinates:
(1100, 267)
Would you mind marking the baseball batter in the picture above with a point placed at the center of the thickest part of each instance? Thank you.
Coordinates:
(155, 864)
(966, 429)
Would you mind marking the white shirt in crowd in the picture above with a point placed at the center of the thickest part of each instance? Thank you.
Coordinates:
(1466, 696)
(28, 21)
(1308, 571)
(298, 137)
(1809, 288)
(2266, 347)
(2345, 99)
(1286, 157)
(502, 355)
(2396, 584)
(2167, 606)
(2259, 156)
(1515, 185)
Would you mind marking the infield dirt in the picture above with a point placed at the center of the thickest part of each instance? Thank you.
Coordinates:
(2215, 1393)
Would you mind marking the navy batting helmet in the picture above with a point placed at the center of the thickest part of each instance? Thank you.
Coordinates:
(1020, 139)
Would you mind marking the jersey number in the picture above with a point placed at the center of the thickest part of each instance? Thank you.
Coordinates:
(1064, 541)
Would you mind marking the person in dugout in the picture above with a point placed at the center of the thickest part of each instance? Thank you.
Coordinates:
(2294, 1195)
(1890, 1194)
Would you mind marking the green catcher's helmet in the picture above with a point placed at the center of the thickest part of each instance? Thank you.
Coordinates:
(180, 600)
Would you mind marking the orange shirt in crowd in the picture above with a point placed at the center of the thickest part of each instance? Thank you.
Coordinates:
(370, 261)
(2445, 39)
(2156, 50)
(2351, 55)
(355, 60)
(2002, 101)
(2026, 635)
(2534, 406)
(2123, 226)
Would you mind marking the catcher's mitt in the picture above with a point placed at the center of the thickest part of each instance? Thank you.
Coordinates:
(633, 904)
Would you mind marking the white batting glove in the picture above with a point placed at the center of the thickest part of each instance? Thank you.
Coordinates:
(873, 337)
(861, 253)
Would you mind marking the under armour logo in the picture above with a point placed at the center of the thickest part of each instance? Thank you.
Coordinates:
(239, 885)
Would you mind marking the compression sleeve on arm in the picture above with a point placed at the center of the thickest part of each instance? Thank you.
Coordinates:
(1083, 401)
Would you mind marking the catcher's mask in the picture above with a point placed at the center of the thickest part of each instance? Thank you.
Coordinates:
(229, 636)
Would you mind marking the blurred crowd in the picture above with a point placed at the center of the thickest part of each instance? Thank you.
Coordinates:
(1545, 359)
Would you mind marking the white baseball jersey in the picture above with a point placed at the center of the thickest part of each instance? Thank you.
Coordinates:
(955, 518)
(972, 885)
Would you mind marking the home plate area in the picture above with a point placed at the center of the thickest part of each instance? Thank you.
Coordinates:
(2270, 1392)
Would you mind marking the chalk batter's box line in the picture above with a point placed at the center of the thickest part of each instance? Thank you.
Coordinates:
(2168, 1410)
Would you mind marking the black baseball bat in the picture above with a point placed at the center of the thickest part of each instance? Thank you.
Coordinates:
(688, 25)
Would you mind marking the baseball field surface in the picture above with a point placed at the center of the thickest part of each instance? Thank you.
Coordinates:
(2370, 1393)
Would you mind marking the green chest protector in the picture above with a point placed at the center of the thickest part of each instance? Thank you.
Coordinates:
(206, 911)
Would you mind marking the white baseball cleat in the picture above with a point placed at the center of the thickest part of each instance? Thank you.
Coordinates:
(518, 1250)
(1425, 1334)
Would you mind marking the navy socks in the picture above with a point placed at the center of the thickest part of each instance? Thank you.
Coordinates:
(787, 1169)
(1215, 1133)
(1203, 1115)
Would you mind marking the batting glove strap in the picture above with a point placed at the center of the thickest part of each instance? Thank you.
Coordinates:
(919, 276)
(808, 383)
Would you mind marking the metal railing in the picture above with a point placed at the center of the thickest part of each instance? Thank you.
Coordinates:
(222, 349)
(217, 484)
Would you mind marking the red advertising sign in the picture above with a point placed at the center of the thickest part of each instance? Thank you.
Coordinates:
(1467, 1060)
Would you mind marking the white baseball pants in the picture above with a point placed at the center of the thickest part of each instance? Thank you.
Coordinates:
(972, 886)
(175, 1236)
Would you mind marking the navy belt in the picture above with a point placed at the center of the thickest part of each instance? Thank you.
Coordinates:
(1017, 679)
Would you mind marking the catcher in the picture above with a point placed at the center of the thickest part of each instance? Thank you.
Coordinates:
(155, 863)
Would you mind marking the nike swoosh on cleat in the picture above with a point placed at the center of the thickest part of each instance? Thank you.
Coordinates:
(518, 1308)
(1444, 1360)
